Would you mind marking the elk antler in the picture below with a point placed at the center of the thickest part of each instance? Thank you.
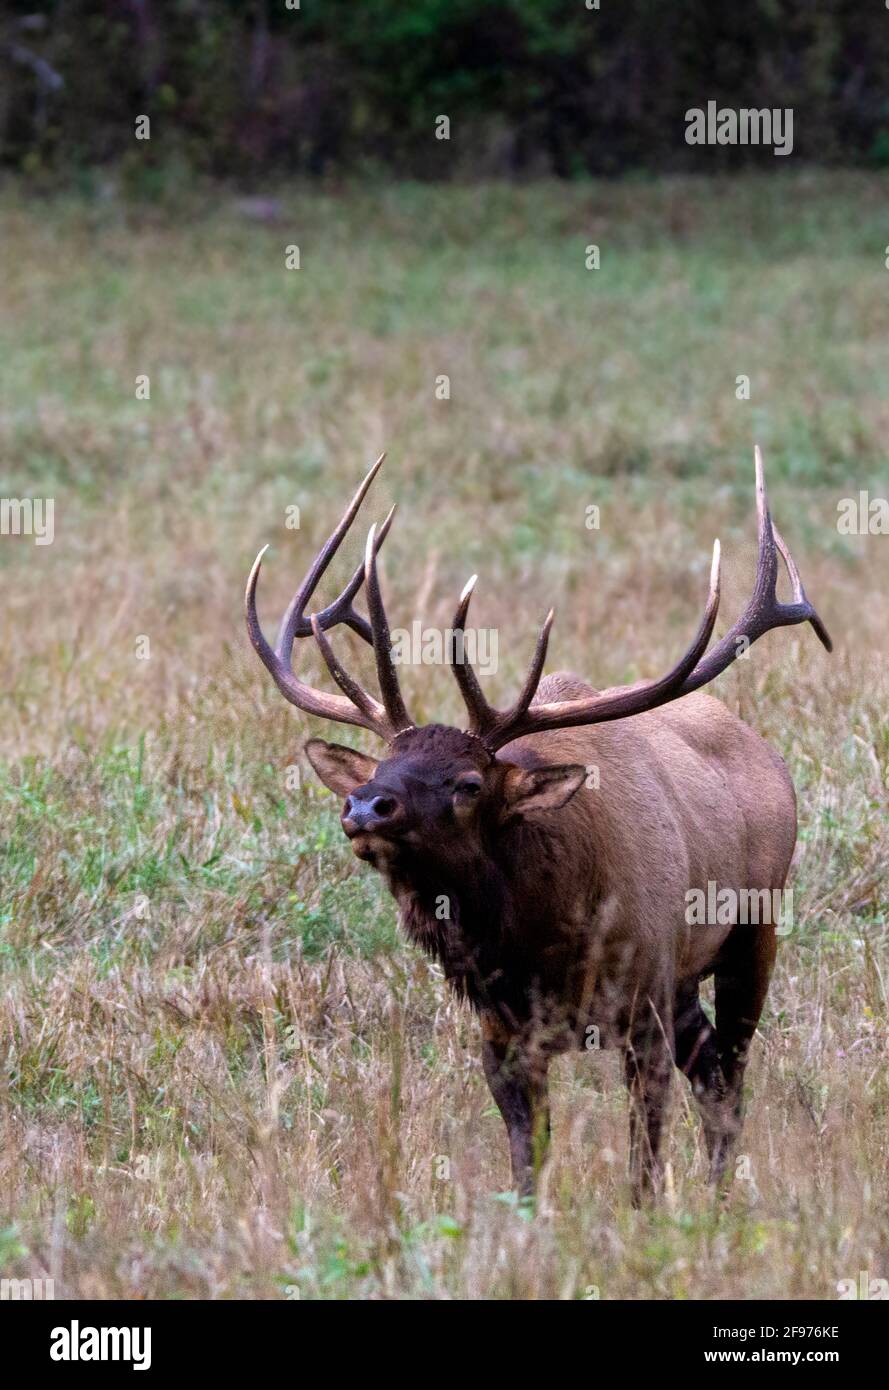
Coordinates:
(355, 705)
(763, 612)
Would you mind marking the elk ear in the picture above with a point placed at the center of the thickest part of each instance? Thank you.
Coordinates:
(541, 788)
(341, 769)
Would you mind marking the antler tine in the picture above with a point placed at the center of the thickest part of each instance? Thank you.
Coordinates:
(767, 563)
(335, 707)
(765, 610)
(535, 671)
(355, 705)
(482, 716)
(620, 702)
(485, 721)
(356, 693)
(294, 624)
(501, 727)
(340, 613)
(386, 673)
(799, 592)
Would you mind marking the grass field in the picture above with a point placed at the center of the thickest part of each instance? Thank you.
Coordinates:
(223, 1072)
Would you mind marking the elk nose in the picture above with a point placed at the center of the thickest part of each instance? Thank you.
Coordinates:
(368, 812)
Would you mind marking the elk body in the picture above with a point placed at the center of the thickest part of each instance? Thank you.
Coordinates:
(557, 908)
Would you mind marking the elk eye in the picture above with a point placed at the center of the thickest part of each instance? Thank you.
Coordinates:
(471, 786)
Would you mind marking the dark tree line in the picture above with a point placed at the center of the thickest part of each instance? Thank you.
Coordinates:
(242, 88)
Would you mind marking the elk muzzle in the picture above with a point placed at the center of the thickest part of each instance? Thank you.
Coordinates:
(370, 812)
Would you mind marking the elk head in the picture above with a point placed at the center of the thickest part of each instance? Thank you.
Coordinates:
(440, 795)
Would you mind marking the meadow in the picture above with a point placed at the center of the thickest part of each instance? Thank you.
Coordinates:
(224, 1074)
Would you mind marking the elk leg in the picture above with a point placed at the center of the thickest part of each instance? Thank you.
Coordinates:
(516, 1075)
(697, 1057)
(743, 972)
(648, 1067)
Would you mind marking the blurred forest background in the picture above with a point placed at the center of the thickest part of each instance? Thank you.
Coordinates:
(246, 88)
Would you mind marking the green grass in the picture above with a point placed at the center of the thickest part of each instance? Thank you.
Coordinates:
(121, 846)
(224, 1073)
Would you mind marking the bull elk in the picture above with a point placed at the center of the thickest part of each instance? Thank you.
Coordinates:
(566, 905)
